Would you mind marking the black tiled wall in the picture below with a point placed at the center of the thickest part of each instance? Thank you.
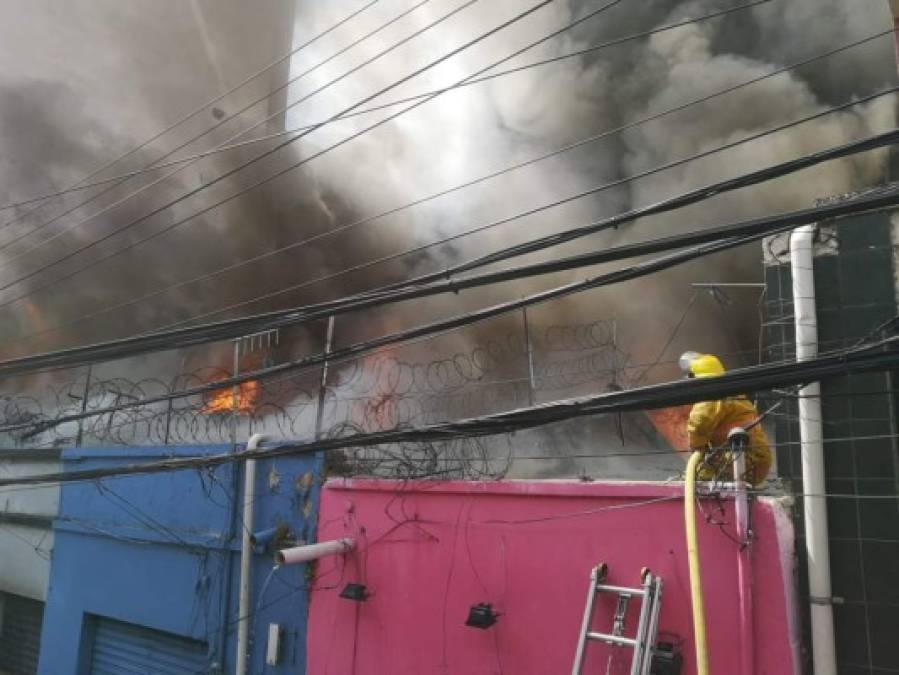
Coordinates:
(855, 293)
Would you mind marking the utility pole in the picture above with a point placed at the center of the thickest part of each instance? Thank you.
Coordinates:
(530, 354)
(323, 384)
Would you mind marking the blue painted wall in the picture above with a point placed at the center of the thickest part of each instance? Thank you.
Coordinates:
(161, 551)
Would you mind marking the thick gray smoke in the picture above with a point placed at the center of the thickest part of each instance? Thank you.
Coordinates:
(481, 128)
(84, 85)
(476, 130)
(74, 101)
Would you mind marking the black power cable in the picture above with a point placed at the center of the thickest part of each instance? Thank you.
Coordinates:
(382, 106)
(450, 190)
(708, 191)
(705, 242)
(315, 155)
(239, 134)
(686, 199)
(787, 222)
(880, 355)
(80, 185)
(293, 166)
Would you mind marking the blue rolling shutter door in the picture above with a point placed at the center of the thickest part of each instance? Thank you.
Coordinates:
(125, 649)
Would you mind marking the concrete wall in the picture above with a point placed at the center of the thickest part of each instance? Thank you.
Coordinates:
(160, 551)
(26, 538)
(431, 550)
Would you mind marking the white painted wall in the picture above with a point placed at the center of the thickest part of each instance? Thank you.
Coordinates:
(25, 550)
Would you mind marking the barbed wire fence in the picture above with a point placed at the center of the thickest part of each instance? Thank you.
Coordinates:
(375, 393)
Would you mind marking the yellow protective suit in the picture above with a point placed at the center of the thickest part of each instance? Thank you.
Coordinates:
(711, 421)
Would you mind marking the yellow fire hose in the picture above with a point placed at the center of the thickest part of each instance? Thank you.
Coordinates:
(699, 636)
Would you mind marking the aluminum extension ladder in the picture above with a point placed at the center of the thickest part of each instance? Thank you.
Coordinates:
(650, 595)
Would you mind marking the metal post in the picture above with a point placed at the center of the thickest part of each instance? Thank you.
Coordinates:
(323, 385)
(227, 571)
(87, 389)
(118, 399)
(235, 396)
(530, 354)
(246, 558)
(742, 509)
(168, 420)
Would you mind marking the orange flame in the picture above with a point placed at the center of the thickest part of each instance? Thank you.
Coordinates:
(224, 400)
(35, 316)
(381, 407)
(671, 423)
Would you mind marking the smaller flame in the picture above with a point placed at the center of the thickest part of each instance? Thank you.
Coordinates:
(224, 400)
(35, 316)
(671, 424)
(383, 409)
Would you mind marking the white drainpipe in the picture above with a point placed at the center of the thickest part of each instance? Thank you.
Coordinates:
(802, 259)
(246, 557)
(302, 554)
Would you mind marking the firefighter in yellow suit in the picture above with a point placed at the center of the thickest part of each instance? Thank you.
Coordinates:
(710, 421)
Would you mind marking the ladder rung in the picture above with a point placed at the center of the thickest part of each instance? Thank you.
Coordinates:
(638, 592)
(613, 639)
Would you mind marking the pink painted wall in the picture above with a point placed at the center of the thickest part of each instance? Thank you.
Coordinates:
(428, 551)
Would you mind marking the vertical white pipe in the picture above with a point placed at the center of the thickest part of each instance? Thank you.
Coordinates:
(802, 261)
(246, 557)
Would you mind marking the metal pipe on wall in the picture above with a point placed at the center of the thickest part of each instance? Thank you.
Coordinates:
(227, 567)
(246, 557)
(744, 567)
(802, 260)
(301, 554)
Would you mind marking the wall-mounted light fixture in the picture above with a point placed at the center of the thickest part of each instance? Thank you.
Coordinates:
(481, 616)
(354, 592)
(270, 539)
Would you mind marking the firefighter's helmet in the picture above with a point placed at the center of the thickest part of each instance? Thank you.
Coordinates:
(701, 365)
